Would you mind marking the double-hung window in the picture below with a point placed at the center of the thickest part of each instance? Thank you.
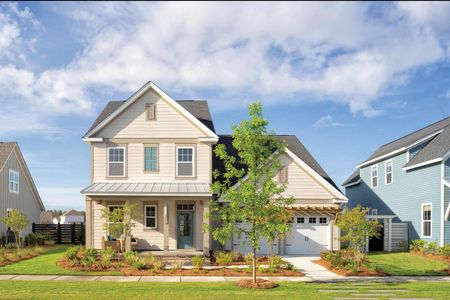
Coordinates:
(374, 176)
(117, 211)
(150, 216)
(116, 161)
(388, 172)
(185, 161)
(151, 158)
(426, 220)
(13, 181)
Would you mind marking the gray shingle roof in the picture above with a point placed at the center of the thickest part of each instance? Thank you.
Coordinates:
(293, 145)
(198, 108)
(5, 151)
(352, 179)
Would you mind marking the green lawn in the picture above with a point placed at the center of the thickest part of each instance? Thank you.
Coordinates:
(140, 290)
(405, 264)
(45, 264)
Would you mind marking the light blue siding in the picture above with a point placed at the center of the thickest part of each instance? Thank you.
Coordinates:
(446, 222)
(447, 169)
(404, 197)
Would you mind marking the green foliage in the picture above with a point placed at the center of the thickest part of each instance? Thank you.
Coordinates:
(290, 266)
(38, 250)
(198, 261)
(432, 248)
(157, 265)
(275, 263)
(106, 256)
(178, 265)
(417, 245)
(343, 259)
(257, 202)
(36, 238)
(237, 256)
(17, 221)
(249, 258)
(403, 245)
(138, 263)
(356, 228)
(130, 256)
(445, 251)
(224, 258)
(118, 222)
(72, 253)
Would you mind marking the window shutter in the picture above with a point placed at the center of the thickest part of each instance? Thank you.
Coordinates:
(151, 111)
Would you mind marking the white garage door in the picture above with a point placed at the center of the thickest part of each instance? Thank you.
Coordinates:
(245, 248)
(309, 235)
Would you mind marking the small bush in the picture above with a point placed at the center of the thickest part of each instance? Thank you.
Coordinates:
(157, 265)
(91, 253)
(72, 252)
(275, 263)
(224, 258)
(2, 259)
(445, 251)
(36, 238)
(290, 266)
(178, 265)
(12, 256)
(198, 261)
(237, 256)
(106, 256)
(38, 250)
(432, 248)
(88, 262)
(138, 263)
(130, 256)
(418, 245)
(262, 269)
(403, 245)
(249, 258)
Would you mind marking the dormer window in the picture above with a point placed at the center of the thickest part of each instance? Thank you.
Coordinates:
(151, 111)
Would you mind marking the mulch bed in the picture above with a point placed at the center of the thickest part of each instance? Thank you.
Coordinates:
(259, 284)
(14, 259)
(363, 272)
(431, 256)
(128, 271)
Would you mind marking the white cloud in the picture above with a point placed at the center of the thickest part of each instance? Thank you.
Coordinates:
(327, 121)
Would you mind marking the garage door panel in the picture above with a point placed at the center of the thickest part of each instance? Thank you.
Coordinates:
(245, 247)
(308, 236)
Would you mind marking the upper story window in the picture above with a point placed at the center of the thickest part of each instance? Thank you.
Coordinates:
(151, 158)
(13, 181)
(283, 175)
(116, 161)
(374, 176)
(426, 220)
(388, 172)
(185, 161)
(151, 111)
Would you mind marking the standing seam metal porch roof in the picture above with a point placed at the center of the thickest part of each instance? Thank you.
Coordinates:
(149, 189)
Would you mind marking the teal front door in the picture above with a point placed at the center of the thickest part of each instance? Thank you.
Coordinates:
(185, 229)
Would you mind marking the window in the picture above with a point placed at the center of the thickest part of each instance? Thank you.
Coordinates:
(374, 211)
(151, 158)
(116, 162)
(13, 181)
(111, 209)
(150, 216)
(388, 172)
(374, 176)
(151, 111)
(322, 220)
(185, 161)
(300, 220)
(312, 220)
(426, 220)
(283, 175)
(185, 206)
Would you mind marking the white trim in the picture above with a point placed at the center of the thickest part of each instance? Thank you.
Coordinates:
(385, 172)
(150, 194)
(442, 230)
(428, 162)
(193, 161)
(124, 161)
(372, 177)
(14, 172)
(422, 220)
(150, 85)
(447, 212)
(418, 142)
(208, 139)
(376, 159)
(145, 216)
(93, 140)
(352, 184)
(445, 182)
(380, 216)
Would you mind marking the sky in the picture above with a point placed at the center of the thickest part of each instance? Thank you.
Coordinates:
(344, 77)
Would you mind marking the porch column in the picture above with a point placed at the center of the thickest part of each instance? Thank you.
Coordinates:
(206, 233)
(88, 224)
(166, 224)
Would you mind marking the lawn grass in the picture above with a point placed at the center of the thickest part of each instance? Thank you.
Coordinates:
(227, 290)
(45, 264)
(405, 264)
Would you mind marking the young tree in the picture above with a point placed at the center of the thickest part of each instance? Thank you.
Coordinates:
(356, 228)
(118, 222)
(16, 221)
(248, 187)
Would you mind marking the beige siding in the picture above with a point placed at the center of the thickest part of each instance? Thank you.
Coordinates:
(302, 186)
(25, 201)
(167, 163)
(335, 238)
(133, 123)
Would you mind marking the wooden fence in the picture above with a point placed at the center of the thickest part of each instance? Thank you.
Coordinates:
(62, 233)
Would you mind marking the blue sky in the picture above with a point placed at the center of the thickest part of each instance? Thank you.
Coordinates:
(344, 77)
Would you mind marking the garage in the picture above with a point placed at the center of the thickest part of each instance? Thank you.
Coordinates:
(309, 235)
(239, 246)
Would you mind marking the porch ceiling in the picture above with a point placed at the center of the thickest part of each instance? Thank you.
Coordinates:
(148, 189)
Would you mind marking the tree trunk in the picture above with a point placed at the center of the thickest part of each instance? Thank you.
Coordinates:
(16, 235)
(254, 265)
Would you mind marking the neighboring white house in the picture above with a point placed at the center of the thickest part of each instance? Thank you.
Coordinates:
(70, 217)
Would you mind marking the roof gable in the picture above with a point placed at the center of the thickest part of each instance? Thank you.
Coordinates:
(5, 151)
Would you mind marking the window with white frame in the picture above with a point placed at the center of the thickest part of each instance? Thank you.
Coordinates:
(13, 181)
(426, 220)
(116, 161)
(185, 161)
(374, 176)
(150, 216)
(111, 209)
(388, 172)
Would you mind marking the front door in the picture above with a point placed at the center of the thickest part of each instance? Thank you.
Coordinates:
(185, 229)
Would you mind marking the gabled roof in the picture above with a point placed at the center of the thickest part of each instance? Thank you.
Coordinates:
(353, 179)
(73, 212)
(293, 144)
(5, 151)
(196, 111)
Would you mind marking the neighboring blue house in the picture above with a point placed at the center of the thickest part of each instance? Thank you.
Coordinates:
(406, 183)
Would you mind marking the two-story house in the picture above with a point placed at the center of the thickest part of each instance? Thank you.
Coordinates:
(18, 191)
(157, 153)
(406, 184)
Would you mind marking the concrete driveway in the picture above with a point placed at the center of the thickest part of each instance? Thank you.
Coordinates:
(312, 270)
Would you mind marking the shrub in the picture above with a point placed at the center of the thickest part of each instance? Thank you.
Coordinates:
(445, 251)
(130, 256)
(157, 265)
(25, 253)
(262, 269)
(72, 252)
(2, 259)
(237, 256)
(342, 259)
(88, 261)
(432, 248)
(36, 238)
(274, 263)
(249, 258)
(106, 256)
(178, 265)
(91, 253)
(224, 258)
(403, 245)
(198, 261)
(38, 250)
(138, 263)
(417, 245)
(12, 256)
(290, 266)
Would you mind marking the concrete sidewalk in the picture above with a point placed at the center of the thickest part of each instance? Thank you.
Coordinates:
(306, 265)
(220, 278)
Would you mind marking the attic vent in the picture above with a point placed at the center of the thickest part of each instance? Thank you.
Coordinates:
(151, 111)
(283, 175)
